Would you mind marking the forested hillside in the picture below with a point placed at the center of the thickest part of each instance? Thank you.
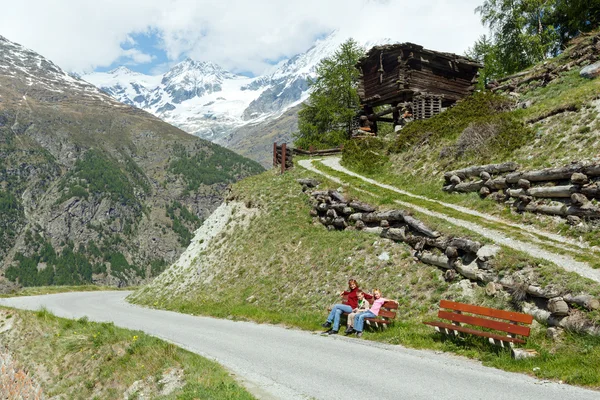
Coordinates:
(94, 191)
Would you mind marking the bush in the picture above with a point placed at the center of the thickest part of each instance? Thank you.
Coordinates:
(368, 155)
(450, 124)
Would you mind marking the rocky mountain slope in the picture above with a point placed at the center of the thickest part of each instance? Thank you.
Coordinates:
(232, 110)
(93, 190)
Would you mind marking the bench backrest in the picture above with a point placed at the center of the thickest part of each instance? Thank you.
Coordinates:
(457, 310)
(388, 309)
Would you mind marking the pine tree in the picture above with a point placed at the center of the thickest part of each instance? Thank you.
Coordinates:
(327, 116)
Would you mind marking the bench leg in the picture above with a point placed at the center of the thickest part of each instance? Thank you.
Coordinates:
(501, 343)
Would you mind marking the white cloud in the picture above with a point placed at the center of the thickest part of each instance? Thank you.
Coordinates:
(240, 35)
(137, 56)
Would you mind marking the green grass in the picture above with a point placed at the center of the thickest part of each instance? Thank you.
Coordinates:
(86, 360)
(41, 290)
(299, 266)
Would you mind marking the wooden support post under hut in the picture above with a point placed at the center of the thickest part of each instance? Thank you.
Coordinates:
(416, 83)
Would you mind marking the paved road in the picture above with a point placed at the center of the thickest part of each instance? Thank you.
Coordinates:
(275, 362)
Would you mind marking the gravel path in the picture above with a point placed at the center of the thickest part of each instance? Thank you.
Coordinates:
(279, 363)
(563, 261)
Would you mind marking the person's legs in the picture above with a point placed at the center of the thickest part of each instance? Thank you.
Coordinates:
(340, 308)
(359, 320)
(351, 319)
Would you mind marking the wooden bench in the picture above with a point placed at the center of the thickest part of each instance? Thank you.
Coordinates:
(457, 313)
(386, 316)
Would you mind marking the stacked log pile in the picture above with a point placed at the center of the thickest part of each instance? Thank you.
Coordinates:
(585, 50)
(570, 192)
(457, 256)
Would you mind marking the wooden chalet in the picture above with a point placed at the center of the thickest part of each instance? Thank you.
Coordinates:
(408, 75)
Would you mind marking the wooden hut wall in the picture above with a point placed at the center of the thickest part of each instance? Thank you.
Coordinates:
(409, 69)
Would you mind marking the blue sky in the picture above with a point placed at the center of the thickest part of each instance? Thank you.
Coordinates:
(246, 37)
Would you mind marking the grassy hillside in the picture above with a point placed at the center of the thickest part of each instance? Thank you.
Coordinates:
(78, 359)
(491, 128)
(273, 263)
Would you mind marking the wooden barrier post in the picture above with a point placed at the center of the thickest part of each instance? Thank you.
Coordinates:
(274, 154)
(283, 157)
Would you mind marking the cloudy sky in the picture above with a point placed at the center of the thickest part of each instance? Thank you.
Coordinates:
(242, 36)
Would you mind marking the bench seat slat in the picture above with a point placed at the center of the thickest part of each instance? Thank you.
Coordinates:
(474, 331)
(486, 323)
(488, 312)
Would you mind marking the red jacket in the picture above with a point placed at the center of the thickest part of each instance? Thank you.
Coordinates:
(353, 299)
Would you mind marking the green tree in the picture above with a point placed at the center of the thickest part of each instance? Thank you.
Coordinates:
(524, 32)
(326, 117)
(520, 32)
(484, 51)
(572, 17)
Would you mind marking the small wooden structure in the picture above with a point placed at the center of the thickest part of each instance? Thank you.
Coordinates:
(408, 76)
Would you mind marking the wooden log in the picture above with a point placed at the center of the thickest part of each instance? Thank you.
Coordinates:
(484, 175)
(564, 191)
(322, 207)
(473, 273)
(583, 300)
(398, 234)
(347, 210)
(579, 179)
(359, 225)
(311, 183)
(337, 196)
(338, 207)
(439, 260)
(578, 199)
(548, 174)
(467, 245)
(331, 213)
(316, 193)
(340, 222)
(498, 197)
(362, 207)
(558, 307)
(455, 180)
(496, 183)
(591, 191)
(560, 210)
(465, 187)
(525, 199)
(391, 215)
(477, 170)
(451, 252)
(355, 217)
(376, 230)
(420, 227)
(516, 192)
(592, 170)
(587, 210)
(524, 184)
(484, 191)
(537, 291)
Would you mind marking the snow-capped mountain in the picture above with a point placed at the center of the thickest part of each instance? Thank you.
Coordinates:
(205, 100)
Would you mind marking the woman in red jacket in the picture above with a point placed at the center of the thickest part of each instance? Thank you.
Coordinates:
(338, 309)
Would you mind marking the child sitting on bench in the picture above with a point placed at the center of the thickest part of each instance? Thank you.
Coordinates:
(363, 305)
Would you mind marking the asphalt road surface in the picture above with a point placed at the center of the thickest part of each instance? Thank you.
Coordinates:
(279, 363)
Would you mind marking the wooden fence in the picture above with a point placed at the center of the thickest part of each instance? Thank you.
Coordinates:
(282, 155)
